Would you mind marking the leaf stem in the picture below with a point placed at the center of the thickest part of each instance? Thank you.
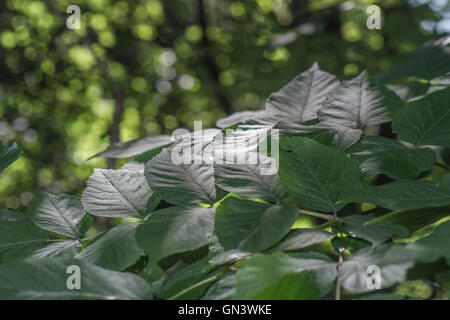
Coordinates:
(338, 282)
(338, 289)
(443, 166)
(194, 286)
(441, 84)
(316, 214)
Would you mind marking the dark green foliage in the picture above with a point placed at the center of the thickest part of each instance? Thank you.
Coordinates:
(229, 231)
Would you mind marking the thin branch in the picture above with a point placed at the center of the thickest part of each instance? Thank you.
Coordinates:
(317, 214)
(443, 166)
(338, 282)
(198, 284)
(441, 84)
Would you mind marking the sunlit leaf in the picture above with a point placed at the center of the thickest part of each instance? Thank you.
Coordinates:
(135, 147)
(250, 180)
(300, 99)
(180, 183)
(8, 155)
(62, 214)
(117, 193)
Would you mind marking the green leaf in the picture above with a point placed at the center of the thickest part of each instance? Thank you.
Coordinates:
(409, 91)
(415, 219)
(356, 104)
(439, 240)
(354, 275)
(184, 278)
(249, 180)
(393, 261)
(412, 252)
(376, 233)
(425, 121)
(117, 193)
(376, 155)
(180, 183)
(223, 289)
(300, 99)
(384, 296)
(302, 238)
(252, 226)
(416, 289)
(13, 215)
(64, 248)
(175, 230)
(229, 257)
(8, 155)
(47, 279)
(308, 176)
(280, 276)
(147, 156)
(19, 239)
(61, 214)
(425, 63)
(340, 245)
(244, 117)
(445, 155)
(237, 145)
(116, 249)
(402, 195)
(135, 147)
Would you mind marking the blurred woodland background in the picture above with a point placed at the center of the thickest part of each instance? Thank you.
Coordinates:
(144, 67)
